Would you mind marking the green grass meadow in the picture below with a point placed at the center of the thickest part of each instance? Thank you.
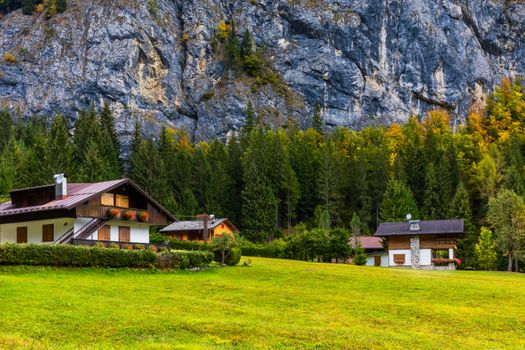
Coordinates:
(275, 304)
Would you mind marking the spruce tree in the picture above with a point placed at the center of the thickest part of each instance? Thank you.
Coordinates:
(398, 201)
(432, 200)
(59, 157)
(28, 6)
(360, 255)
(485, 250)
(7, 130)
(93, 165)
(317, 119)
(61, 6)
(246, 44)
(110, 144)
(460, 209)
(259, 207)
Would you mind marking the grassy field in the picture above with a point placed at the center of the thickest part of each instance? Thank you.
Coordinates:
(275, 304)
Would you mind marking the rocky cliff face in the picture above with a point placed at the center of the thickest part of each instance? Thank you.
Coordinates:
(364, 61)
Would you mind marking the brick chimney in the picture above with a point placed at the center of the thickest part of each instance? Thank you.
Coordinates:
(60, 186)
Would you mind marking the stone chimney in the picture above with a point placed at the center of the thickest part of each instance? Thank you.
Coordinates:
(60, 186)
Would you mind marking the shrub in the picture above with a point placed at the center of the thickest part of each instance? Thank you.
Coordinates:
(183, 259)
(74, 256)
(185, 38)
(232, 259)
(189, 245)
(274, 249)
(157, 238)
(153, 7)
(9, 58)
(139, 247)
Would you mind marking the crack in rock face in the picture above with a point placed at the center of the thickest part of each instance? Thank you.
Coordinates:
(363, 61)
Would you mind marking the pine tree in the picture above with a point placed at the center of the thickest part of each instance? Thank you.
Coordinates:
(360, 255)
(460, 209)
(61, 6)
(7, 130)
(93, 164)
(485, 250)
(259, 207)
(232, 190)
(355, 228)
(28, 6)
(246, 44)
(317, 119)
(398, 201)
(110, 144)
(59, 157)
(250, 122)
(432, 201)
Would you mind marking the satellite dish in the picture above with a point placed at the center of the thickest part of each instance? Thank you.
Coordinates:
(409, 216)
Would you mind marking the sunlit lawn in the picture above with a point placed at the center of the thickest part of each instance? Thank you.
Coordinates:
(273, 304)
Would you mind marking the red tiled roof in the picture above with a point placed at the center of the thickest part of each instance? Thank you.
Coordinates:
(77, 193)
(369, 242)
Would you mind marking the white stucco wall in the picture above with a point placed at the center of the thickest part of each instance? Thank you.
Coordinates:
(34, 230)
(370, 259)
(139, 233)
(425, 257)
(391, 254)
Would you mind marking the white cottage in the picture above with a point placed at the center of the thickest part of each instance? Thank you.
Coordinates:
(418, 244)
(376, 254)
(115, 211)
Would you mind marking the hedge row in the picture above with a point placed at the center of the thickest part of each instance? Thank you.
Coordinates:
(275, 249)
(79, 256)
(69, 255)
(233, 259)
(190, 245)
(184, 259)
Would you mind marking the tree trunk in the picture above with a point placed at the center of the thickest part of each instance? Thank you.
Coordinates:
(509, 267)
(516, 264)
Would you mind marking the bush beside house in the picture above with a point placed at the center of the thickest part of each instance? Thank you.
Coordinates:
(74, 256)
(79, 256)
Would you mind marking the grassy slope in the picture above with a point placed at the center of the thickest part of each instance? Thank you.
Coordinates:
(273, 304)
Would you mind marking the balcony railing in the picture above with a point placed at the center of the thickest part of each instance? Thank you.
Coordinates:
(125, 214)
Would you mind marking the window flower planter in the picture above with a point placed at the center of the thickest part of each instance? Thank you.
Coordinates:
(128, 214)
(445, 261)
(143, 216)
(113, 213)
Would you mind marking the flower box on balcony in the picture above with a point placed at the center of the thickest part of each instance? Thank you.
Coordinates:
(143, 216)
(113, 213)
(128, 214)
(444, 261)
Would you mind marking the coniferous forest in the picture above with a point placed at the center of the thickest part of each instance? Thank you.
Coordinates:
(270, 181)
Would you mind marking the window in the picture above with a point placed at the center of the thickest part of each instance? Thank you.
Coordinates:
(122, 201)
(21, 235)
(104, 234)
(446, 241)
(48, 233)
(108, 199)
(123, 234)
(399, 259)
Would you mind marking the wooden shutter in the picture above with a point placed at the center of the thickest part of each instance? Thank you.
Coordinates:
(399, 259)
(122, 201)
(104, 233)
(123, 234)
(21, 235)
(108, 199)
(48, 233)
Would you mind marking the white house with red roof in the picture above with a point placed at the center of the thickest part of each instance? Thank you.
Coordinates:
(115, 211)
(376, 254)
